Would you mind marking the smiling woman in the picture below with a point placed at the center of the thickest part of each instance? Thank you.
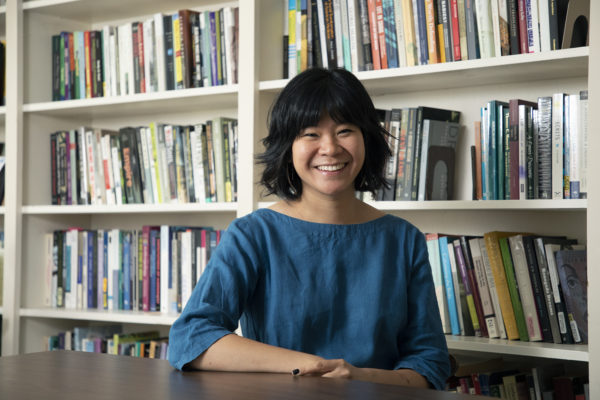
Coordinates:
(321, 283)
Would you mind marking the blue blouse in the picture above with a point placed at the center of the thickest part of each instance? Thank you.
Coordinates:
(361, 292)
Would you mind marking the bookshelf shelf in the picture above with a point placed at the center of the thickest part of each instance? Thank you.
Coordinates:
(130, 317)
(131, 209)
(574, 352)
(508, 69)
(216, 97)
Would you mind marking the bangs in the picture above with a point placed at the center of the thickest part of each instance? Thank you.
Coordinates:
(329, 97)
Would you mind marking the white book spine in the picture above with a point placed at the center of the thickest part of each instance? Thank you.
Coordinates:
(557, 145)
(72, 268)
(423, 161)
(353, 30)
(438, 282)
(147, 183)
(160, 52)
(398, 18)
(186, 267)
(345, 35)
(107, 61)
(162, 162)
(229, 43)
(83, 170)
(574, 144)
(149, 56)
(484, 291)
(485, 29)
(494, 5)
(415, 16)
(525, 289)
(321, 16)
(544, 19)
(115, 89)
(116, 170)
(99, 168)
(73, 164)
(533, 29)
(123, 31)
(492, 288)
(197, 165)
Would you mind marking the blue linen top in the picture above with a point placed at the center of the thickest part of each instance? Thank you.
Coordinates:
(361, 292)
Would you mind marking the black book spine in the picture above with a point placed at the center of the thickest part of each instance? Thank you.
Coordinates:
(168, 38)
(538, 291)
(513, 27)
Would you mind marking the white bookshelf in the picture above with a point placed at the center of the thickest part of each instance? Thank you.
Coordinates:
(464, 86)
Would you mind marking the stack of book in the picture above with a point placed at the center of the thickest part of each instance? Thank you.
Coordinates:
(532, 150)
(362, 35)
(423, 142)
(152, 269)
(159, 163)
(109, 339)
(511, 285)
(182, 50)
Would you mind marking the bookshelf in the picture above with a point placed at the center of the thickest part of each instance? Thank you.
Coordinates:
(30, 116)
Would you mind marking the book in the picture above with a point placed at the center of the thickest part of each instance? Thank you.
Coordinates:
(468, 286)
(492, 244)
(524, 288)
(433, 249)
(572, 272)
(449, 287)
(483, 288)
(438, 160)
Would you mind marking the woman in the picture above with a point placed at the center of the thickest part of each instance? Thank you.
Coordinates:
(321, 282)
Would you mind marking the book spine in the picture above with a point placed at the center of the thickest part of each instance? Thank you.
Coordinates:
(460, 262)
(456, 53)
(538, 291)
(558, 102)
(375, 48)
(513, 289)
(492, 245)
(449, 285)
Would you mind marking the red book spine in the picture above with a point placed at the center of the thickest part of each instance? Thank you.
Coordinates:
(374, 36)
(381, 33)
(455, 30)
(141, 57)
(523, 41)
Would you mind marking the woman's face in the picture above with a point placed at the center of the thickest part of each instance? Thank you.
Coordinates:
(328, 157)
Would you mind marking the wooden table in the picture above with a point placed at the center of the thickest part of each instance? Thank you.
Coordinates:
(65, 375)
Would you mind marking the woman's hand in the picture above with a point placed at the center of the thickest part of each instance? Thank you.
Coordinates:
(337, 368)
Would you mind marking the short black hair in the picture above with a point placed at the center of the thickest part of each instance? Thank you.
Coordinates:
(301, 104)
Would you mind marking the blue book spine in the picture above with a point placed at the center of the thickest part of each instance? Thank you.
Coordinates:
(423, 51)
(105, 274)
(126, 272)
(391, 42)
(81, 61)
(152, 244)
(90, 270)
(449, 285)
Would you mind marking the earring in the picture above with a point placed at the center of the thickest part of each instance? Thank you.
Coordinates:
(293, 190)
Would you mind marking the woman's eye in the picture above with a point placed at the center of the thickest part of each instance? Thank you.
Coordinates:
(345, 131)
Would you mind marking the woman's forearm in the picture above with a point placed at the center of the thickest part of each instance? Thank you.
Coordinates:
(236, 353)
(402, 377)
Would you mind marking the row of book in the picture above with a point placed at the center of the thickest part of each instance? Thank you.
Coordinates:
(109, 339)
(158, 163)
(511, 285)
(509, 380)
(363, 35)
(152, 269)
(532, 150)
(181, 50)
(423, 142)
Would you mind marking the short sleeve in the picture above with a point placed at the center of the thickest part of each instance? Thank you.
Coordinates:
(423, 344)
(219, 298)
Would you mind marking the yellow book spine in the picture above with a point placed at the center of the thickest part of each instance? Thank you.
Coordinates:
(177, 51)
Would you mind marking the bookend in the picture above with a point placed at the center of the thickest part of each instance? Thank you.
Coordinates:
(577, 24)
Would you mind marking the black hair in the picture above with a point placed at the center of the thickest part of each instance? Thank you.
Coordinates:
(301, 104)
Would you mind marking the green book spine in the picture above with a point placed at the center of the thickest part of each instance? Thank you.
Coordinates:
(513, 289)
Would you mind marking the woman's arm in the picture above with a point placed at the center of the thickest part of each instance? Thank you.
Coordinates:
(236, 353)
